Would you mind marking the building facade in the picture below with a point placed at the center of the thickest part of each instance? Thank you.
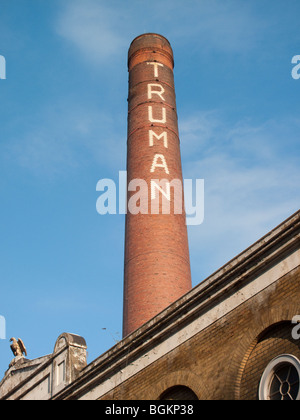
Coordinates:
(235, 336)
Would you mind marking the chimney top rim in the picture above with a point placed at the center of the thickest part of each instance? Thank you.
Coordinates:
(147, 44)
(154, 34)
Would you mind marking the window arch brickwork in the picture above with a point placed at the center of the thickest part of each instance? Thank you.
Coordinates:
(179, 392)
(272, 332)
(177, 381)
(276, 340)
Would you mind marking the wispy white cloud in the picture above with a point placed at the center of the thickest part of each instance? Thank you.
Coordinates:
(251, 175)
(94, 28)
(67, 138)
(101, 31)
(229, 26)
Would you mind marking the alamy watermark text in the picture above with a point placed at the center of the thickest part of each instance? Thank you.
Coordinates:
(2, 328)
(2, 67)
(159, 196)
(296, 329)
(296, 69)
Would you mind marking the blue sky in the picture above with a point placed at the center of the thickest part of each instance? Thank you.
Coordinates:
(63, 110)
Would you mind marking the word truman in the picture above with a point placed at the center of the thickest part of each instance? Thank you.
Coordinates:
(156, 90)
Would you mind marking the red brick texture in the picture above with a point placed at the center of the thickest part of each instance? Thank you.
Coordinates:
(157, 265)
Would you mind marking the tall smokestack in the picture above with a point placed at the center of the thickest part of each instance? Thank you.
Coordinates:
(157, 265)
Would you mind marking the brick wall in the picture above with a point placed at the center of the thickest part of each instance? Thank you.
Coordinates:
(277, 340)
(226, 360)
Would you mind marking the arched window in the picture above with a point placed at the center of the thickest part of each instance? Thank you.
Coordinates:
(281, 379)
(259, 380)
(179, 392)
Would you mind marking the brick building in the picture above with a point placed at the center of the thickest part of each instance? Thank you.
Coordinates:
(235, 336)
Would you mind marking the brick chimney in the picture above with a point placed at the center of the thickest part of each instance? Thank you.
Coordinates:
(157, 265)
